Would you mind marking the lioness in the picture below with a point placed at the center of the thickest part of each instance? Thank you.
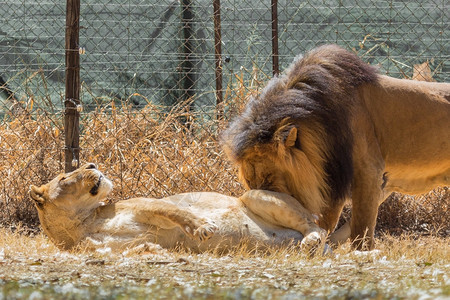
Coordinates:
(70, 211)
(332, 128)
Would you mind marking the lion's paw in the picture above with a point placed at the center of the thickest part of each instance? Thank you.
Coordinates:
(205, 231)
(313, 241)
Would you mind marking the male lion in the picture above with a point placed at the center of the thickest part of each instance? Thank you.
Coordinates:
(70, 211)
(332, 128)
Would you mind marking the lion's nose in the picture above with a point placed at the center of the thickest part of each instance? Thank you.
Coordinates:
(91, 166)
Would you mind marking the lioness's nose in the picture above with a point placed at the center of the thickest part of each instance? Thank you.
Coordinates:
(91, 166)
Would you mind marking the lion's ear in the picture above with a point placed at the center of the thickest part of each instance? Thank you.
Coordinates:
(288, 136)
(37, 194)
(291, 138)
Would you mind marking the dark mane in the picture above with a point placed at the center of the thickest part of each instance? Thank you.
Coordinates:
(318, 87)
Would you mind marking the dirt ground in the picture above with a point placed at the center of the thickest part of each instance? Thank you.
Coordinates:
(401, 267)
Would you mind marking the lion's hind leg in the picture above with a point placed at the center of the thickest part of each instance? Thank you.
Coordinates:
(284, 210)
(340, 235)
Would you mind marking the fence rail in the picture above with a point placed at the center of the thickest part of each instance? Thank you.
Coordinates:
(154, 75)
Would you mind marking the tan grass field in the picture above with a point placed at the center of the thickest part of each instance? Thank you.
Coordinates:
(402, 268)
(151, 152)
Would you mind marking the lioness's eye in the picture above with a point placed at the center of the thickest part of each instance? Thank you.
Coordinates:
(62, 178)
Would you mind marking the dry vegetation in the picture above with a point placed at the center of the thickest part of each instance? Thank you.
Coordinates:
(147, 152)
(401, 268)
(151, 152)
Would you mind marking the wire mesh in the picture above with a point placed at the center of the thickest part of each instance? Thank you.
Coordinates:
(148, 80)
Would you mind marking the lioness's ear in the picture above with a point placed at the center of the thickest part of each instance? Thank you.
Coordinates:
(37, 193)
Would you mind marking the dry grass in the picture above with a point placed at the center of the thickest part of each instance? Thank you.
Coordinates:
(401, 267)
(424, 215)
(155, 152)
(147, 152)
(151, 153)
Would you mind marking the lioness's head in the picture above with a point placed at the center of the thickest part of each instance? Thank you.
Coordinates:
(82, 189)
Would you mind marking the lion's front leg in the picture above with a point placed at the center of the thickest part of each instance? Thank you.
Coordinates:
(328, 220)
(166, 215)
(284, 210)
(367, 195)
(368, 182)
(330, 215)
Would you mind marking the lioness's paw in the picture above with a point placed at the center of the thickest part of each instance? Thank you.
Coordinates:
(313, 241)
(205, 231)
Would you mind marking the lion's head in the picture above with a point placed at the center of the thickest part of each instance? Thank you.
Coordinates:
(81, 189)
(295, 137)
(291, 161)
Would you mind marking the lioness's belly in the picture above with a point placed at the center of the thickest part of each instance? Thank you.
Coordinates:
(235, 223)
(236, 226)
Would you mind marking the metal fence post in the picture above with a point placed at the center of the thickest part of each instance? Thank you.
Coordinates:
(275, 64)
(218, 57)
(72, 100)
(188, 85)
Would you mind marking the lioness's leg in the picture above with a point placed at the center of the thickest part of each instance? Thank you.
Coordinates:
(166, 215)
(284, 210)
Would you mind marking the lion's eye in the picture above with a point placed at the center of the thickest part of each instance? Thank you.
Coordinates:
(62, 178)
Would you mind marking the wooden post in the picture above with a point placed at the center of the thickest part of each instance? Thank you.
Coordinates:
(72, 99)
(218, 56)
(275, 55)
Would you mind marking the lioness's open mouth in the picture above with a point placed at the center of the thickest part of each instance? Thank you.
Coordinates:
(94, 190)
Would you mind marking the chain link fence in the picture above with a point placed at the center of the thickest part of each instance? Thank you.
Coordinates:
(148, 81)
